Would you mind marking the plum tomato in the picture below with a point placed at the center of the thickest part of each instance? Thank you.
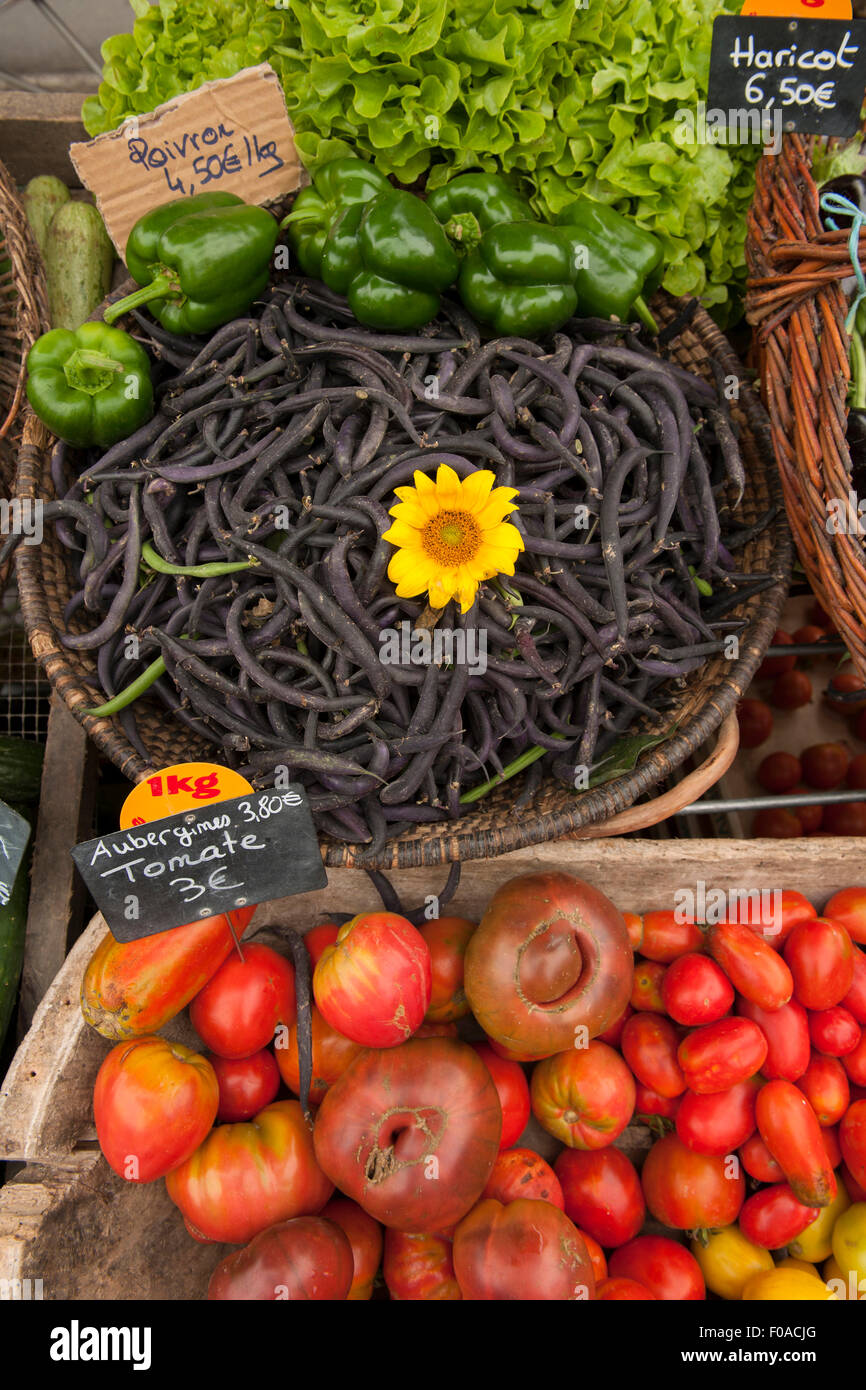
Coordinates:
(773, 1217)
(825, 765)
(848, 906)
(825, 1085)
(717, 1056)
(820, 955)
(791, 690)
(835, 1031)
(649, 1044)
(602, 1194)
(755, 719)
(779, 772)
(646, 993)
(666, 935)
(695, 990)
(719, 1123)
(758, 1162)
(512, 1087)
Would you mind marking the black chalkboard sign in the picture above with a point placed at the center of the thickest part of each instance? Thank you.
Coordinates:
(807, 75)
(199, 863)
(14, 834)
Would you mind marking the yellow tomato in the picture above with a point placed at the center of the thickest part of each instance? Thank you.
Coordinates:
(728, 1261)
(834, 1278)
(849, 1242)
(802, 1265)
(786, 1284)
(816, 1243)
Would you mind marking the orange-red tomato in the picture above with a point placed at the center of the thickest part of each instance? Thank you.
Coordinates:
(852, 1141)
(634, 926)
(317, 938)
(239, 1009)
(825, 765)
(301, 1259)
(246, 1177)
(447, 938)
(688, 1190)
(719, 1123)
(648, 1103)
(854, 1062)
(754, 969)
(717, 1056)
(758, 1161)
(246, 1084)
(332, 1053)
(419, 1267)
(773, 1217)
(523, 1173)
(612, 1035)
(787, 1033)
(855, 1000)
(366, 1239)
(598, 1259)
(662, 1265)
(623, 1291)
(602, 1194)
(755, 719)
(695, 990)
(153, 1102)
(583, 1097)
(646, 992)
(666, 936)
(779, 772)
(374, 985)
(791, 690)
(835, 1031)
(789, 1127)
(649, 1044)
(824, 1083)
(848, 907)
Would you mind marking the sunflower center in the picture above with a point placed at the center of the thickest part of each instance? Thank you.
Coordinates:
(451, 538)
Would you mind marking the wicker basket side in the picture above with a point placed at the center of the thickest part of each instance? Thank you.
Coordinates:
(23, 316)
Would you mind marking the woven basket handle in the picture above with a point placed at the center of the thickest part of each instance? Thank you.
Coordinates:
(683, 794)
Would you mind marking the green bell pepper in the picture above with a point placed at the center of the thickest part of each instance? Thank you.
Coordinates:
(201, 261)
(473, 203)
(338, 185)
(91, 386)
(623, 266)
(391, 259)
(520, 280)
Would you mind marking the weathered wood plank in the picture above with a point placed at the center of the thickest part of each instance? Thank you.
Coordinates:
(36, 130)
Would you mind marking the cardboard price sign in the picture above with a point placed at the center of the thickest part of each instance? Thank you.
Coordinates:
(197, 863)
(809, 74)
(232, 135)
(14, 834)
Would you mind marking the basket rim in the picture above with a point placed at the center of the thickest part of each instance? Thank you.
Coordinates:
(443, 843)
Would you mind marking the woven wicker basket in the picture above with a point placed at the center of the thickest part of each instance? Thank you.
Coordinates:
(491, 828)
(23, 316)
(797, 307)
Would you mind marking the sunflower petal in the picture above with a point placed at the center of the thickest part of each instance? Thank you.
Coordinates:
(402, 534)
(448, 488)
(475, 490)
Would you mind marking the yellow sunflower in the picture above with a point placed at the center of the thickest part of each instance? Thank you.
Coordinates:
(451, 535)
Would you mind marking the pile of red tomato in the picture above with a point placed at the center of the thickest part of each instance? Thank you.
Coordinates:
(738, 1048)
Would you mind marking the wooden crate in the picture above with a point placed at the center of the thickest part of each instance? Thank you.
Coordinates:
(68, 1220)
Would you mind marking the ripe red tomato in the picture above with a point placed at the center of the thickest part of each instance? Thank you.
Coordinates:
(854, 1062)
(523, 1173)
(775, 915)
(374, 985)
(787, 1034)
(824, 1083)
(623, 1291)
(153, 1102)
(835, 1031)
(847, 818)
(612, 1035)
(772, 1217)
(842, 687)
(852, 1140)
(246, 1177)
(754, 969)
(502, 1251)
(634, 927)
(662, 1265)
(695, 990)
(811, 818)
(602, 1194)
(779, 772)
(855, 777)
(716, 1057)
(447, 938)
(332, 1053)
(419, 1268)
(646, 993)
(789, 1127)
(688, 1190)
(597, 1257)
(777, 665)
(820, 955)
(300, 1259)
(317, 938)
(665, 936)
(830, 1136)
(809, 635)
(855, 1000)
(719, 1123)
(240, 1007)
(848, 906)
(758, 1161)
(512, 1087)
(583, 1097)
(649, 1045)
(648, 1103)
(791, 690)
(755, 719)
(246, 1084)
(365, 1236)
(824, 765)
(411, 1132)
(769, 824)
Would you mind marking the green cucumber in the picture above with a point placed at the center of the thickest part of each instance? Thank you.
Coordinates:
(79, 260)
(42, 198)
(20, 770)
(13, 925)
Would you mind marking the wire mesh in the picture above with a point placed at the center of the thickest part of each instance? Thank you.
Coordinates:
(24, 691)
